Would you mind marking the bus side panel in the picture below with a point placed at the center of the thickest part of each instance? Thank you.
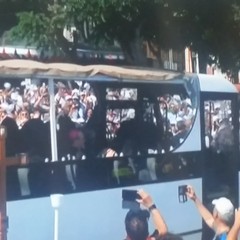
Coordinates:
(238, 189)
(99, 214)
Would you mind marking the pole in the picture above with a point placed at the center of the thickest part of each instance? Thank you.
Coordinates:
(56, 217)
(53, 123)
(56, 201)
(3, 210)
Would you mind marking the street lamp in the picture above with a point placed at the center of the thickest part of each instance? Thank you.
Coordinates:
(56, 201)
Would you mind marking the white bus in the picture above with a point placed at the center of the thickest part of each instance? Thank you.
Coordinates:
(91, 131)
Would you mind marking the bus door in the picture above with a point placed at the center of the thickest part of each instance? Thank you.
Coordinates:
(220, 146)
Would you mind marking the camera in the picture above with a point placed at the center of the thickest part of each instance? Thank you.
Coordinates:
(129, 198)
(182, 196)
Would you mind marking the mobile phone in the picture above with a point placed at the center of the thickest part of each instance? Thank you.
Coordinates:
(133, 205)
(130, 195)
(182, 196)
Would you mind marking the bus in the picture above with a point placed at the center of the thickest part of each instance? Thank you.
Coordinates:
(91, 131)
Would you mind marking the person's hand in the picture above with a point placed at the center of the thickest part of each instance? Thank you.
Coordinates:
(146, 199)
(237, 218)
(191, 193)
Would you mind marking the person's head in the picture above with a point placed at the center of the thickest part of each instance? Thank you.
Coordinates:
(68, 98)
(78, 139)
(82, 95)
(223, 211)
(24, 114)
(224, 122)
(66, 108)
(89, 112)
(181, 126)
(61, 89)
(169, 236)
(136, 224)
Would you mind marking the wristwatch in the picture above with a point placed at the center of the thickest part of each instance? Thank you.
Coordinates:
(153, 206)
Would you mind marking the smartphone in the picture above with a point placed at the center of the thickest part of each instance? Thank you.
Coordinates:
(133, 205)
(182, 196)
(130, 195)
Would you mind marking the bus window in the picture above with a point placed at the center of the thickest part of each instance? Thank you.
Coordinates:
(178, 114)
(75, 103)
(218, 125)
(148, 112)
(114, 118)
(219, 145)
(125, 94)
(24, 111)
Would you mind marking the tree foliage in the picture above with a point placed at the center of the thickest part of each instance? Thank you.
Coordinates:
(209, 27)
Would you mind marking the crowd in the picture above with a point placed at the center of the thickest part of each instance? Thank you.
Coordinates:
(180, 114)
(23, 103)
(224, 220)
(126, 94)
(79, 102)
(30, 100)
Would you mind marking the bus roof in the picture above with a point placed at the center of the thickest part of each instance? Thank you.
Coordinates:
(28, 68)
(215, 83)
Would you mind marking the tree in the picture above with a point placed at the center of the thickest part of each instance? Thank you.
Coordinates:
(208, 27)
(10, 8)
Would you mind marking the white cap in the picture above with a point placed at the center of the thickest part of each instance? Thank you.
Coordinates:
(223, 206)
(7, 85)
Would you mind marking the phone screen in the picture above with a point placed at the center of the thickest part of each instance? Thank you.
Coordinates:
(182, 197)
(133, 205)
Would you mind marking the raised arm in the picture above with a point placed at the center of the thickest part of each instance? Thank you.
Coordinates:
(206, 215)
(157, 218)
(233, 233)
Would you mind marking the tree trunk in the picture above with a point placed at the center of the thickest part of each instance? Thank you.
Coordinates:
(156, 50)
(203, 59)
(134, 51)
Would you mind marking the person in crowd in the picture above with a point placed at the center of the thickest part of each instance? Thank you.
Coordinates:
(78, 143)
(181, 132)
(223, 140)
(136, 221)
(221, 220)
(82, 104)
(60, 96)
(43, 105)
(17, 99)
(74, 113)
(23, 117)
(65, 126)
(12, 148)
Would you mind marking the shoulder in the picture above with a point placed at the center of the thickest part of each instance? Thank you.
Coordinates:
(222, 236)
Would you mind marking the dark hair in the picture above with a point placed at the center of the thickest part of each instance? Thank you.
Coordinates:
(169, 236)
(136, 224)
